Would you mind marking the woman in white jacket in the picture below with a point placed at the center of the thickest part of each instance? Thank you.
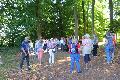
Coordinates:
(87, 48)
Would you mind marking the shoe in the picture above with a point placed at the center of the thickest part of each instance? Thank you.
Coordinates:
(29, 69)
(71, 72)
(80, 72)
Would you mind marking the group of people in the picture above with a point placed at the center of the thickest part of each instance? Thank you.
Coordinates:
(73, 46)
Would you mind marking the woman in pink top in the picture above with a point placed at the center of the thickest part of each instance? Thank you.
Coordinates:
(40, 51)
(40, 55)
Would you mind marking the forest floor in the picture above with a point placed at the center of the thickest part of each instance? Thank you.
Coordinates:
(99, 70)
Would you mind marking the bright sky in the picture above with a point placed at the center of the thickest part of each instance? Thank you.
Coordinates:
(2, 33)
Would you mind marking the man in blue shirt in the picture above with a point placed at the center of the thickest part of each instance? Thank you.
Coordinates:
(109, 47)
(75, 56)
(25, 53)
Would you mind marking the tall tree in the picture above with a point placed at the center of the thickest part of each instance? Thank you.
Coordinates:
(76, 23)
(87, 16)
(38, 21)
(111, 12)
(83, 2)
(93, 3)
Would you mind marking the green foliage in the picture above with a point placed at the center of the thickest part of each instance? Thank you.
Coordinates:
(18, 19)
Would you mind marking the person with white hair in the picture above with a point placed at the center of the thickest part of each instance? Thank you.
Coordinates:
(87, 48)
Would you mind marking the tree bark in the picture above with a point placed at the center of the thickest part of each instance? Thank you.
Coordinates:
(87, 17)
(93, 3)
(84, 22)
(38, 23)
(111, 12)
(76, 23)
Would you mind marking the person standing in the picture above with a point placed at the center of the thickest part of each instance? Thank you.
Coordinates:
(40, 50)
(51, 47)
(45, 46)
(87, 48)
(109, 47)
(62, 44)
(75, 56)
(35, 49)
(114, 45)
(25, 53)
(95, 45)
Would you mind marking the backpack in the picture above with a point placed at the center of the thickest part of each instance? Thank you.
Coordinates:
(74, 49)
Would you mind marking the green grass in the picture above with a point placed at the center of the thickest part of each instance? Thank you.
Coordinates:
(8, 56)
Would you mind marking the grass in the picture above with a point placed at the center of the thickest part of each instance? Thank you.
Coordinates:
(8, 56)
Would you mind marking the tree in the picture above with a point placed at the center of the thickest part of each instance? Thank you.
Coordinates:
(93, 3)
(84, 21)
(111, 12)
(38, 20)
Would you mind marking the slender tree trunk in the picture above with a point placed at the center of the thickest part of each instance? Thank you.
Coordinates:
(38, 24)
(87, 17)
(84, 22)
(111, 12)
(93, 3)
(76, 23)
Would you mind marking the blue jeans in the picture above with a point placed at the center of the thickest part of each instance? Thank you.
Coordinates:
(75, 58)
(112, 52)
(108, 51)
(87, 58)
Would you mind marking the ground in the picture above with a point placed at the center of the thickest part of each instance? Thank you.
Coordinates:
(99, 70)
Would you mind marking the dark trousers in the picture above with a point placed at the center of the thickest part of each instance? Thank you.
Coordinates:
(95, 50)
(24, 57)
(87, 58)
(62, 47)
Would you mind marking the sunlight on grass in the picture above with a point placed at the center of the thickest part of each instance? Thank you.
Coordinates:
(107, 70)
(101, 43)
(63, 60)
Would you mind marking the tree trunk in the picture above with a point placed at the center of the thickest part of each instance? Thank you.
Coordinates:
(87, 17)
(38, 23)
(84, 22)
(111, 12)
(76, 23)
(93, 3)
